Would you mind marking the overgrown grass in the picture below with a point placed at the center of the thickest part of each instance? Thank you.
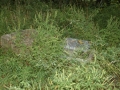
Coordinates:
(44, 67)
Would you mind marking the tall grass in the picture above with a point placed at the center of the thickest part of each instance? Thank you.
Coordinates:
(43, 67)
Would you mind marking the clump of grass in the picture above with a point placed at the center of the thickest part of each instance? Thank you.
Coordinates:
(76, 23)
(90, 76)
(105, 14)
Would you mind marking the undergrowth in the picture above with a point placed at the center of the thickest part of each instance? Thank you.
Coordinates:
(44, 66)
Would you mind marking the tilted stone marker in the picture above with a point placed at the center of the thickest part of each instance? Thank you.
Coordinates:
(16, 40)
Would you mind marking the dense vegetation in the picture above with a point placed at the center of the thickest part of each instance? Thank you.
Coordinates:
(43, 68)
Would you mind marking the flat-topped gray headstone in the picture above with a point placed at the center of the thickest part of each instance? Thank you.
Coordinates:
(73, 46)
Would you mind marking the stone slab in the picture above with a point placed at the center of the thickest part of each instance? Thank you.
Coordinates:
(75, 46)
(16, 40)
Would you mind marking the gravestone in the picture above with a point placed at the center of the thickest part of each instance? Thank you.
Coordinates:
(78, 50)
(16, 40)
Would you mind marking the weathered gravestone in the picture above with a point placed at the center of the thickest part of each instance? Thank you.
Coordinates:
(16, 40)
(78, 50)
